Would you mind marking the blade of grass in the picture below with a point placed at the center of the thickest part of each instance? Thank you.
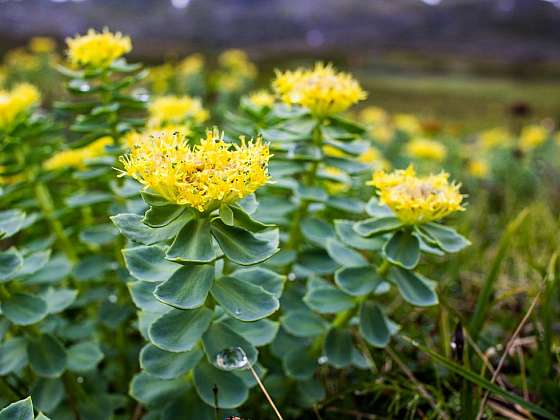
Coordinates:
(483, 301)
(483, 382)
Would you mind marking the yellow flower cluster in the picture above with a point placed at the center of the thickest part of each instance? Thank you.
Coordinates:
(133, 138)
(374, 115)
(15, 102)
(97, 49)
(176, 110)
(160, 77)
(322, 90)
(192, 64)
(407, 123)
(417, 200)
(237, 62)
(201, 176)
(42, 45)
(423, 148)
(478, 168)
(532, 136)
(77, 158)
(494, 138)
(261, 98)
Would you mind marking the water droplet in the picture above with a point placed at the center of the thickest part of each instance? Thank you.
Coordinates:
(112, 298)
(291, 276)
(237, 311)
(84, 87)
(322, 360)
(79, 379)
(232, 358)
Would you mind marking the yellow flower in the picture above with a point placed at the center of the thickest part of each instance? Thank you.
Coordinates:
(201, 176)
(176, 110)
(323, 90)
(133, 138)
(97, 49)
(494, 137)
(237, 61)
(407, 123)
(15, 102)
(21, 59)
(373, 157)
(160, 76)
(415, 199)
(42, 44)
(422, 148)
(382, 133)
(332, 151)
(192, 64)
(77, 158)
(532, 136)
(261, 98)
(478, 168)
(374, 115)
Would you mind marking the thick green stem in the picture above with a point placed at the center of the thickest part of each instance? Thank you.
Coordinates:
(47, 206)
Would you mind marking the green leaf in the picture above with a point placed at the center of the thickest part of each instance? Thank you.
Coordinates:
(98, 235)
(375, 327)
(371, 227)
(403, 249)
(41, 416)
(241, 246)
(312, 194)
(357, 281)
(131, 226)
(337, 345)
(168, 365)
(344, 255)
(446, 238)
(11, 221)
(258, 333)
(179, 330)
(20, 410)
(303, 323)
(142, 294)
(328, 300)
(375, 209)
(299, 364)
(310, 392)
(414, 288)
(47, 355)
(232, 391)
(161, 216)
(243, 220)
(10, 263)
(267, 279)
(483, 382)
(194, 243)
(151, 390)
(347, 204)
(84, 357)
(226, 214)
(24, 309)
(188, 287)
(220, 337)
(317, 261)
(345, 231)
(59, 299)
(316, 231)
(243, 300)
(152, 199)
(47, 393)
(34, 262)
(82, 199)
(148, 263)
(13, 355)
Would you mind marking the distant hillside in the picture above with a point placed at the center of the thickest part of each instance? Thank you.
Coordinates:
(504, 29)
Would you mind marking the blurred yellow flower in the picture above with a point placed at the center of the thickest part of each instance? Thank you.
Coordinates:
(532, 136)
(478, 168)
(322, 90)
(160, 77)
(237, 61)
(407, 123)
(97, 49)
(192, 64)
(42, 45)
(77, 158)
(18, 58)
(382, 133)
(261, 98)
(373, 115)
(373, 157)
(494, 137)
(423, 148)
(201, 176)
(332, 151)
(15, 102)
(176, 110)
(417, 200)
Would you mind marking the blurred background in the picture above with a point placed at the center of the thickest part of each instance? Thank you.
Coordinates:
(467, 62)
